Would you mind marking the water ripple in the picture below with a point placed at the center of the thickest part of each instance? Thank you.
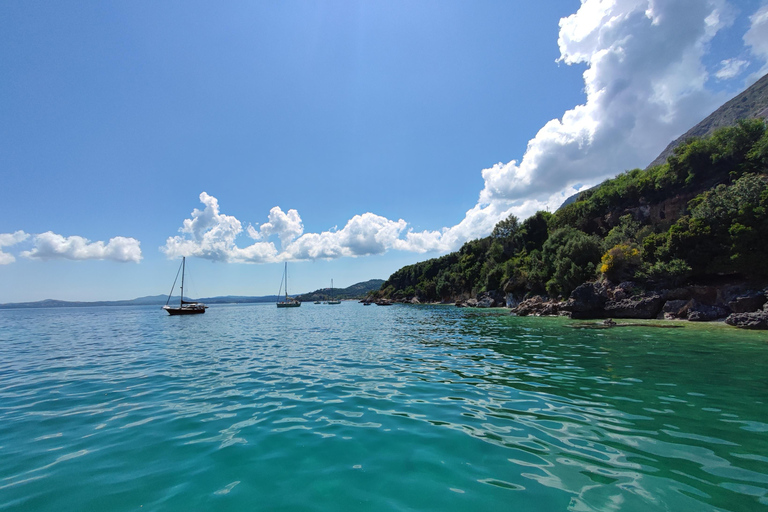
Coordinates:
(401, 408)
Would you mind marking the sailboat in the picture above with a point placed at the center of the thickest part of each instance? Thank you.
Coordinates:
(185, 307)
(332, 300)
(288, 302)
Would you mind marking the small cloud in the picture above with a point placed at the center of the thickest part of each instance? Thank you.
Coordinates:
(7, 240)
(50, 246)
(731, 68)
(253, 232)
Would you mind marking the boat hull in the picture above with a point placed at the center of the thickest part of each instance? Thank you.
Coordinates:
(288, 304)
(185, 311)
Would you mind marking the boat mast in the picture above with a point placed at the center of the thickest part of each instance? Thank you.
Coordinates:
(286, 281)
(183, 266)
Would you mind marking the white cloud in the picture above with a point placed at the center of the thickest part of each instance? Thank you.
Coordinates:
(363, 235)
(49, 245)
(287, 226)
(7, 240)
(730, 68)
(211, 235)
(645, 84)
(756, 38)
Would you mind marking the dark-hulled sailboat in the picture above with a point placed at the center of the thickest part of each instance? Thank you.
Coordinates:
(185, 307)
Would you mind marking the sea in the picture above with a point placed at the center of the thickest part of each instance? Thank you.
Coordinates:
(367, 408)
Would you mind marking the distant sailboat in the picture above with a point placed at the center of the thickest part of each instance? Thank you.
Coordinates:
(288, 302)
(332, 300)
(185, 307)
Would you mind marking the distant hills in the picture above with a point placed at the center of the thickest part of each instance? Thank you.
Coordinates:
(356, 291)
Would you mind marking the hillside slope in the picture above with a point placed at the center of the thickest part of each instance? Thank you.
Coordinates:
(356, 291)
(753, 102)
(700, 216)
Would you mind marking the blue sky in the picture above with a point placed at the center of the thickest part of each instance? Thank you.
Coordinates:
(348, 138)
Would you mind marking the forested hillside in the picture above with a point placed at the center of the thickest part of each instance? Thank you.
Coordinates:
(356, 291)
(701, 214)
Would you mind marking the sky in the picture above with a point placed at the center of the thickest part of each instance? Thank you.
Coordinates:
(347, 138)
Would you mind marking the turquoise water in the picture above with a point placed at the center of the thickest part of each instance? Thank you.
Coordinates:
(250, 407)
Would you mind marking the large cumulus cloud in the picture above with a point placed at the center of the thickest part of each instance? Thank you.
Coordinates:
(645, 83)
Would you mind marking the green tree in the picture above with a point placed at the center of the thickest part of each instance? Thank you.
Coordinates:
(571, 257)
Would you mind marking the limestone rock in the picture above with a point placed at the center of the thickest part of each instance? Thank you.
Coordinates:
(698, 312)
(642, 307)
(676, 309)
(587, 301)
(747, 303)
(753, 320)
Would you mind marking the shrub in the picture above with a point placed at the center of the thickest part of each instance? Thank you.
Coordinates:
(620, 262)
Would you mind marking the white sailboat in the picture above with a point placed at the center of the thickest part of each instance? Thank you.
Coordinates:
(332, 300)
(288, 302)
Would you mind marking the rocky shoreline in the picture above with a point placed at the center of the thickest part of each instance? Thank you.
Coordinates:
(741, 305)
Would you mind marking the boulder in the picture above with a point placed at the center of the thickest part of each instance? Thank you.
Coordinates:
(747, 303)
(491, 299)
(698, 312)
(531, 306)
(640, 307)
(587, 301)
(623, 291)
(676, 309)
(486, 302)
(753, 320)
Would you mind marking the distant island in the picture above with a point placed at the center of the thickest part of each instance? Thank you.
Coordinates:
(356, 291)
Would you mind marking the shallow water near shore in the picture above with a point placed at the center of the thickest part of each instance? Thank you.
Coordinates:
(369, 408)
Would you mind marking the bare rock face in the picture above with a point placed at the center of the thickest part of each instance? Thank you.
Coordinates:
(537, 306)
(641, 307)
(491, 299)
(698, 312)
(676, 309)
(753, 320)
(486, 302)
(587, 301)
(747, 303)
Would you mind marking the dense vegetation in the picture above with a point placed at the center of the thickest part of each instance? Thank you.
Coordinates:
(702, 213)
